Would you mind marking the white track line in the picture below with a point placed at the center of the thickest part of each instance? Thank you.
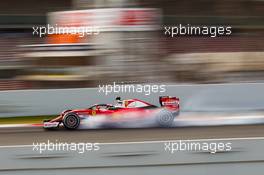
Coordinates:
(150, 142)
(15, 125)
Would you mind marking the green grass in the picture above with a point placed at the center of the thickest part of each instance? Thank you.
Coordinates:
(25, 119)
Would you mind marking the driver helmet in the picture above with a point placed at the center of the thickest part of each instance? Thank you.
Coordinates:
(118, 100)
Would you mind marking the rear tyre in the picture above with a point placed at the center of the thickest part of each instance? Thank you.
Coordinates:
(71, 121)
(165, 118)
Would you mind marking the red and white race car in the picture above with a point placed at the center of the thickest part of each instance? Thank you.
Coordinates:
(126, 110)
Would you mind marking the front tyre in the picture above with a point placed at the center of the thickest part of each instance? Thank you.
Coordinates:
(71, 121)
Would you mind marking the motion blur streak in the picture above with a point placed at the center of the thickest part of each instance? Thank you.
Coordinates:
(69, 61)
(185, 119)
(26, 136)
(137, 156)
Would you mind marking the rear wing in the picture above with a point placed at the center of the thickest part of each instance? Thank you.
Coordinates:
(172, 103)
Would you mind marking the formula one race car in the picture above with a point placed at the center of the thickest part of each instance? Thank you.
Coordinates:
(124, 111)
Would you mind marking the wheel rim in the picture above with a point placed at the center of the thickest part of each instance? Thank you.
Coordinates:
(165, 118)
(72, 121)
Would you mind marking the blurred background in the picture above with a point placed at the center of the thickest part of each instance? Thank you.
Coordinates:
(132, 46)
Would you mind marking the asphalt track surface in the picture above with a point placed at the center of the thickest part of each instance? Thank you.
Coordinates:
(28, 136)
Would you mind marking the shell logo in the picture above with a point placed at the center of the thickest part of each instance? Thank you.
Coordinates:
(93, 112)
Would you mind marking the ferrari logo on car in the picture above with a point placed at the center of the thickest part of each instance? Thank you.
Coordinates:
(126, 103)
